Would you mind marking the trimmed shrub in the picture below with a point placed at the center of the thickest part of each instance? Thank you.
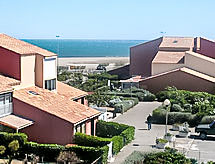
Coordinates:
(109, 129)
(159, 117)
(117, 144)
(179, 117)
(199, 102)
(128, 135)
(89, 154)
(121, 134)
(166, 157)
(49, 152)
(134, 99)
(176, 108)
(207, 119)
(91, 141)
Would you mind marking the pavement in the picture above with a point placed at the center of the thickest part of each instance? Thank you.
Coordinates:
(144, 140)
(202, 150)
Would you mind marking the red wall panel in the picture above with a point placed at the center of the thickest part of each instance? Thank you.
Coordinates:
(10, 63)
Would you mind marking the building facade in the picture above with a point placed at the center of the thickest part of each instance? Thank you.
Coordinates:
(156, 61)
(34, 102)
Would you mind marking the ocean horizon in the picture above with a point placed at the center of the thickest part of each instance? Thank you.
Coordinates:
(86, 47)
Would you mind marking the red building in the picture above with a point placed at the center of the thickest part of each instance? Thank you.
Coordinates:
(174, 61)
(33, 101)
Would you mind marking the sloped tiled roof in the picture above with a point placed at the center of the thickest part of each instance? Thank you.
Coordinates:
(6, 83)
(169, 57)
(22, 47)
(177, 42)
(55, 104)
(68, 91)
(15, 122)
(186, 70)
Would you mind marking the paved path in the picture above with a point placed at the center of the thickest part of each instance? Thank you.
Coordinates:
(144, 139)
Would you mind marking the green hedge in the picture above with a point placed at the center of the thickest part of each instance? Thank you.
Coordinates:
(109, 129)
(193, 102)
(118, 143)
(134, 99)
(141, 94)
(128, 134)
(121, 134)
(92, 141)
(90, 154)
(50, 152)
(124, 106)
(159, 117)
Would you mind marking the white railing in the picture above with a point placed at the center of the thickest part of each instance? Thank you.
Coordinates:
(6, 109)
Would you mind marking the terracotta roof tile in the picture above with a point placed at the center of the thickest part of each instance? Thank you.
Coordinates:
(6, 83)
(68, 91)
(186, 70)
(177, 42)
(22, 47)
(55, 104)
(169, 57)
(15, 122)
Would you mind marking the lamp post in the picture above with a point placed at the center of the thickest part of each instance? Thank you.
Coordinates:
(58, 50)
(166, 103)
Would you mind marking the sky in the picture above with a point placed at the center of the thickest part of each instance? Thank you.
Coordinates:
(107, 19)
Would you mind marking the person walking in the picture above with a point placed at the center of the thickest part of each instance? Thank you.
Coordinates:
(149, 121)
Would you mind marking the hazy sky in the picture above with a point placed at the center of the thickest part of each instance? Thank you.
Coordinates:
(107, 19)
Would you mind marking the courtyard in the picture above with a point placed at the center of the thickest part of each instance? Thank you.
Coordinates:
(144, 141)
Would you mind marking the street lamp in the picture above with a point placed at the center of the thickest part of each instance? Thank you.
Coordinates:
(58, 50)
(166, 103)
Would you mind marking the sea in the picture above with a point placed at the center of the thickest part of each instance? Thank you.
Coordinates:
(86, 48)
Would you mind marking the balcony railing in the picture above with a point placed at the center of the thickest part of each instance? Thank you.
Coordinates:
(6, 109)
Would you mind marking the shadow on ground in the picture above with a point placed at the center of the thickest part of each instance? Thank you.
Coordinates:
(196, 137)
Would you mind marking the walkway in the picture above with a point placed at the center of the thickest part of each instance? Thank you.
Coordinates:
(144, 139)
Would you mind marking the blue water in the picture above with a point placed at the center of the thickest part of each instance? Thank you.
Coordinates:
(86, 48)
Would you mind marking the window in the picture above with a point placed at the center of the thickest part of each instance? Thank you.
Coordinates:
(5, 103)
(5, 98)
(81, 128)
(50, 84)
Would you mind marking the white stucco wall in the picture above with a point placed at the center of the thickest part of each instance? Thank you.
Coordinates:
(200, 63)
(158, 68)
(27, 70)
(50, 68)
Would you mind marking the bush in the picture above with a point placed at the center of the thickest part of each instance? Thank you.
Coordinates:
(109, 129)
(128, 135)
(193, 102)
(207, 119)
(166, 157)
(134, 157)
(135, 100)
(121, 134)
(91, 141)
(117, 144)
(176, 108)
(159, 117)
(89, 154)
(50, 152)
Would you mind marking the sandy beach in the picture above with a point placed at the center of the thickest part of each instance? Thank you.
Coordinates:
(118, 61)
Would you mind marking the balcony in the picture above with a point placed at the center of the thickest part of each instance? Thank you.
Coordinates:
(6, 109)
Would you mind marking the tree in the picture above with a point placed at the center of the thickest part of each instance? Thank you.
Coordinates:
(68, 157)
(2, 150)
(13, 147)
